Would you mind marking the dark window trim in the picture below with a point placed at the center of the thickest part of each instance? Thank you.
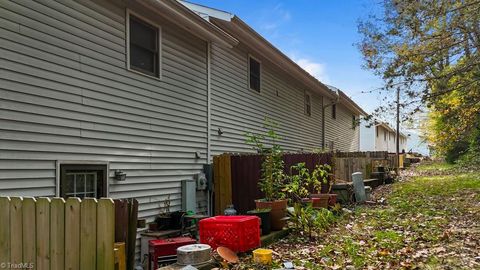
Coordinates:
(308, 104)
(63, 166)
(334, 111)
(250, 57)
(158, 58)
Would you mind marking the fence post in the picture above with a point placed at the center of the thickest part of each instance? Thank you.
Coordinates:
(359, 187)
(5, 229)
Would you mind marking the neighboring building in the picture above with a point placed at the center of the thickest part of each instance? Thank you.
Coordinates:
(380, 137)
(93, 89)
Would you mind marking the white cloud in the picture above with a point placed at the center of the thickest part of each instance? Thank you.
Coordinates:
(315, 69)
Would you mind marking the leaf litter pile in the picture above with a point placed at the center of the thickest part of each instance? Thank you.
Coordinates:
(427, 220)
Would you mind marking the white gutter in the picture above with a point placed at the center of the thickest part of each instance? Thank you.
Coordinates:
(209, 102)
(190, 21)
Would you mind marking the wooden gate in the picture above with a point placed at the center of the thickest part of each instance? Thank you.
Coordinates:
(54, 234)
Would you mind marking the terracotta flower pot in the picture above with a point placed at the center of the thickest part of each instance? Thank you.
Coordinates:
(278, 212)
(320, 200)
(332, 199)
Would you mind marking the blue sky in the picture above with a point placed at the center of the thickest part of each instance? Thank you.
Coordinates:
(319, 35)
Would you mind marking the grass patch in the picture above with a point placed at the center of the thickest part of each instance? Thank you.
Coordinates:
(415, 227)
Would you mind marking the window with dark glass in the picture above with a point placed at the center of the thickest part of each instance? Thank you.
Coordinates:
(143, 47)
(254, 74)
(334, 111)
(308, 105)
(83, 181)
(354, 122)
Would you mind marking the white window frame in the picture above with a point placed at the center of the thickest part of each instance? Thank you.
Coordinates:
(248, 74)
(81, 162)
(127, 44)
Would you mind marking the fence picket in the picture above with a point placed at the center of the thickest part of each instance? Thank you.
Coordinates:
(88, 232)
(54, 234)
(28, 231)
(72, 234)
(43, 234)
(105, 234)
(57, 234)
(5, 229)
(16, 249)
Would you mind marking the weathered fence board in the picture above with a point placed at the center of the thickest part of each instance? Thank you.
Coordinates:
(43, 234)
(16, 248)
(222, 182)
(237, 176)
(105, 234)
(57, 234)
(5, 229)
(54, 234)
(132, 232)
(28, 231)
(88, 229)
(72, 233)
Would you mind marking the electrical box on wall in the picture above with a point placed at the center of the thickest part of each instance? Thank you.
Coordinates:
(201, 181)
(189, 195)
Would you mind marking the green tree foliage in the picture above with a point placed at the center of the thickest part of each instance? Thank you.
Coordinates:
(272, 180)
(430, 50)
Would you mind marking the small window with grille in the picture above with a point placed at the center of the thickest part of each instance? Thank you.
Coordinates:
(83, 181)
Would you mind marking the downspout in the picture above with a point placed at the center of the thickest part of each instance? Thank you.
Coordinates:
(209, 102)
(209, 120)
(337, 98)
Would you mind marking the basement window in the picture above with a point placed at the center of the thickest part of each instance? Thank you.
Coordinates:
(254, 74)
(308, 105)
(143, 46)
(83, 180)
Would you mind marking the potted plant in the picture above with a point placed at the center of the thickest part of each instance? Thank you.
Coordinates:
(164, 220)
(264, 215)
(298, 183)
(272, 180)
(320, 177)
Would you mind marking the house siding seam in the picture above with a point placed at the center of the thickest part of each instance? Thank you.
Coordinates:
(65, 94)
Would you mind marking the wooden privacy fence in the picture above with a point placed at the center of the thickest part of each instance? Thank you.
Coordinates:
(236, 177)
(57, 234)
(347, 163)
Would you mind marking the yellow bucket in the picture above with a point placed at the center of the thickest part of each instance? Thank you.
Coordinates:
(263, 256)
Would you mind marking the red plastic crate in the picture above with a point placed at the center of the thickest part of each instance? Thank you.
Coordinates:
(238, 233)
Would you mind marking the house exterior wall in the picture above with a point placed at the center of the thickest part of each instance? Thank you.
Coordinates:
(367, 136)
(236, 109)
(385, 140)
(340, 131)
(65, 94)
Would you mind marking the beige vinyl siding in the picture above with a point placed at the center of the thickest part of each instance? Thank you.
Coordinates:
(236, 109)
(340, 130)
(65, 94)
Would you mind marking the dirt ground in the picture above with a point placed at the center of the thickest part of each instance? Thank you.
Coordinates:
(430, 219)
